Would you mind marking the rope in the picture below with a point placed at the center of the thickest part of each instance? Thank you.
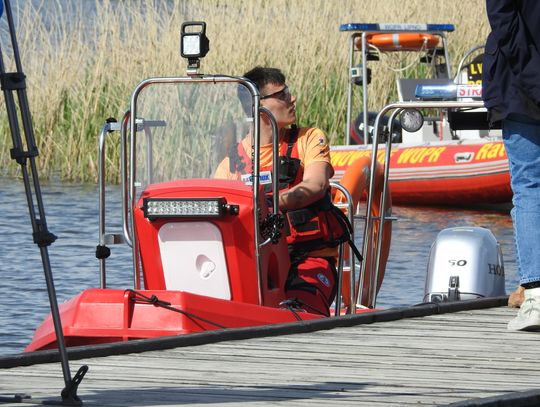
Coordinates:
(290, 305)
(295, 303)
(154, 300)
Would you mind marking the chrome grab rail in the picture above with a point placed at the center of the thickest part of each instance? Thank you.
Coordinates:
(112, 238)
(369, 230)
(104, 238)
(275, 193)
(275, 165)
(348, 204)
(464, 58)
(363, 62)
(383, 215)
(124, 178)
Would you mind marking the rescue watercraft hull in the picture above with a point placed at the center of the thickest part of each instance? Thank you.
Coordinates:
(468, 172)
(97, 316)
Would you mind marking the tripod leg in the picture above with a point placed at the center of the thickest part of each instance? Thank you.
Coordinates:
(14, 82)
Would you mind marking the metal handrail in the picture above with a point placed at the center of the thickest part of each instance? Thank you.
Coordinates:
(348, 204)
(467, 55)
(107, 128)
(383, 215)
(363, 61)
(124, 178)
(275, 194)
(368, 232)
(275, 165)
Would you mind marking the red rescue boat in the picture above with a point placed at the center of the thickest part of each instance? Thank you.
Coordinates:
(454, 157)
(447, 172)
(207, 253)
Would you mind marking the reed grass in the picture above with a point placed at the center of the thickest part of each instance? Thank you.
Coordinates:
(82, 65)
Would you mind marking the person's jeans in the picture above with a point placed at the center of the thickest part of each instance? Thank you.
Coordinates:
(522, 144)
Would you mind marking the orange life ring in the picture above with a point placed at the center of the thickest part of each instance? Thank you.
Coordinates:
(356, 180)
(400, 41)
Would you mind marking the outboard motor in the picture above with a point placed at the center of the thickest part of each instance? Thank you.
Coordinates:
(464, 263)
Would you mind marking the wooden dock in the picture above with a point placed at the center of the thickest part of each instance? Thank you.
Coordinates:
(466, 357)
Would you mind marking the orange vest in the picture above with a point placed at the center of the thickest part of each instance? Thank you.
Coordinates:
(314, 227)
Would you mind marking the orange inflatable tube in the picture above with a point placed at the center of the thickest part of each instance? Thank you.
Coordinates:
(356, 180)
(400, 41)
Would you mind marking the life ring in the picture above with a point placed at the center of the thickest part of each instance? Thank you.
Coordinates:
(356, 180)
(400, 41)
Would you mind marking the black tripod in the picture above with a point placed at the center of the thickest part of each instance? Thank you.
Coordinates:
(13, 83)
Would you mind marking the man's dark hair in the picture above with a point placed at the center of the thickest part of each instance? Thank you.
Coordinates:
(260, 76)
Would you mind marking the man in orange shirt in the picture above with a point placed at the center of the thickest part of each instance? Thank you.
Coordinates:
(305, 171)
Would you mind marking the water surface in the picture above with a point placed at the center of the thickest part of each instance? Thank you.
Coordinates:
(72, 215)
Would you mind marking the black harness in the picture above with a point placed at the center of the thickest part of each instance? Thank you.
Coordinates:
(289, 167)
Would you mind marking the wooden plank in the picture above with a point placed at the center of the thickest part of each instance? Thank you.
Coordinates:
(432, 360)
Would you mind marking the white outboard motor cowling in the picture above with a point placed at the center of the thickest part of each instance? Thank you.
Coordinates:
(464, 263)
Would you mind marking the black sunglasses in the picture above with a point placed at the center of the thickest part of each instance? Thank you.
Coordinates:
(282, 94)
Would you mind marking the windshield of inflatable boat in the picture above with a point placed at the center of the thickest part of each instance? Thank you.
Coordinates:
(186, 130)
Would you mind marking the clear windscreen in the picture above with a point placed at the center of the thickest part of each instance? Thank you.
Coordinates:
(185, 130)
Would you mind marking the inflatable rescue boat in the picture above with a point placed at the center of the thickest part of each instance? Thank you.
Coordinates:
(450, 158)
(207, 253)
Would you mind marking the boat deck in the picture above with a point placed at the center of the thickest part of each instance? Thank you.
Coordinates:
(417, 358)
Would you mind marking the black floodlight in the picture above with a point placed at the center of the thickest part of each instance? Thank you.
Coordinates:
(193, 44)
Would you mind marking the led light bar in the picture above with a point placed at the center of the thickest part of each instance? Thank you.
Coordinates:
(184, 207)
(396, 27)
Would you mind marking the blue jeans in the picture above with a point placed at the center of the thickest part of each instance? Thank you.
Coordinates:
(522, 143)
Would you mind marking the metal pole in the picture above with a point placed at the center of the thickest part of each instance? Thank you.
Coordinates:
(365, 106)
(124, 174)
(256, 182)
(339, 284)
(275, 158)
(101, 180)
(382, 211)
(349, 91)
(447, 56)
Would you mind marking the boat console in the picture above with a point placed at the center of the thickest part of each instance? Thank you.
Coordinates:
(198, 236)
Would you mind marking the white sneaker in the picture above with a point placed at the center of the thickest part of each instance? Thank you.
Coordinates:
(528, 317)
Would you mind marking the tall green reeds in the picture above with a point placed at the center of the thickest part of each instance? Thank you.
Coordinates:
(83, 59)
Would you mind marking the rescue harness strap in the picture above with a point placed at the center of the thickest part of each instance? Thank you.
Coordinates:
(350, 228)
(301, 217)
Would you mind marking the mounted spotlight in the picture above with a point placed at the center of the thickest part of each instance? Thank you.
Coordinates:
(411, 120)
(194, 44)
